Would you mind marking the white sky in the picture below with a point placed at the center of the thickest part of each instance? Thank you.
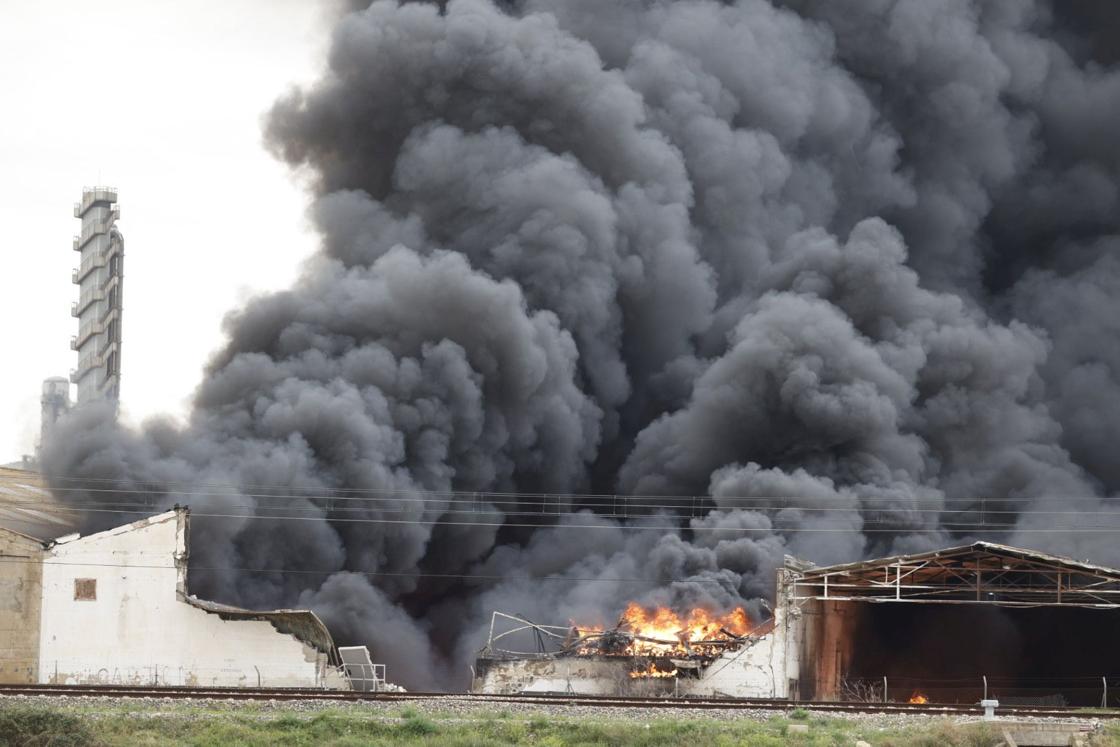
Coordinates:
(161, 99)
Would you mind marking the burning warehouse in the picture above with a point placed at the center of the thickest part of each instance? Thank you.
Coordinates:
(950, 625)
(647, 653)
(600, 316)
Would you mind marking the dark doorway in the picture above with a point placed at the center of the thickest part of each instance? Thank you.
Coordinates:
(1043, 655)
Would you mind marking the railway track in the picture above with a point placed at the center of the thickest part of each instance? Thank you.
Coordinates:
(944, 709)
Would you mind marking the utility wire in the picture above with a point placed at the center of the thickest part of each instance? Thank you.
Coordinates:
(483, 506)
(863, 529)
(870, 517)
(619, 503)
(340, 493)
(305, 572)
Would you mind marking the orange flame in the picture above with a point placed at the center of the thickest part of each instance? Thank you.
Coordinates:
(662, 631)
(652, 671)
(918, 698)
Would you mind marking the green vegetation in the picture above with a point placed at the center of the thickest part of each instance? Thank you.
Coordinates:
(30, 727)
(225, 725)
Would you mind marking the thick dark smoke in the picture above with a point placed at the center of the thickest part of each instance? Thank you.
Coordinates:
(857, 258)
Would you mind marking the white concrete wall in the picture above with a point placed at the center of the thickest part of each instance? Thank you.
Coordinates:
(570, 674)
(139, 631)
(758, 670)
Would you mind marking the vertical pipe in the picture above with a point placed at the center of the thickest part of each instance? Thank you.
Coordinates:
(985, 687)
(1104, 695)
(884, 689)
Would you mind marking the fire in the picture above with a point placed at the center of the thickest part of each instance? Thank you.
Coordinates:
(663, 632)
(698, 625)
(652, 671)
(918, 698)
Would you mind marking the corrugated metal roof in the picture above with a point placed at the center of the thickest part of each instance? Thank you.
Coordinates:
(27, 506)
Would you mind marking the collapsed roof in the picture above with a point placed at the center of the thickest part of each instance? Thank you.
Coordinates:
(508, 634)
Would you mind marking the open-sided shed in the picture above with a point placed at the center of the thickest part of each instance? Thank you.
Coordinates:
(948, 623)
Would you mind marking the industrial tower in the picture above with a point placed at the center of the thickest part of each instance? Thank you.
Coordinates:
(55, 402)
(100, 278)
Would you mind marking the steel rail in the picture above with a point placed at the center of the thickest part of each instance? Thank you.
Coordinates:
(220, 693)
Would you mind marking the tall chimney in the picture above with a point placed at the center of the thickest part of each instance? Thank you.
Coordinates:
(100, 281)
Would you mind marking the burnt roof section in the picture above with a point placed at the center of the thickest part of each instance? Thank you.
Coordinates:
(978, 573)
(305, 625)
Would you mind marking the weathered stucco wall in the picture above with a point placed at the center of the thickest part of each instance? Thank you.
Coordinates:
(767, 668)
(20, 592)
(136, 628)
(569, 674)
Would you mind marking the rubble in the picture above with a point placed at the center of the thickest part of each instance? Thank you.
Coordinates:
(705, 658)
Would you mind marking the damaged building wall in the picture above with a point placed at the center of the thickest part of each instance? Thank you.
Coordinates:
(766, 664)
(765, 667)
(115, 611)
(757, 669)
(20, 593)
(569, 674)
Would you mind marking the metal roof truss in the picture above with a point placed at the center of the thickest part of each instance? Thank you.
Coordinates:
(982, 573)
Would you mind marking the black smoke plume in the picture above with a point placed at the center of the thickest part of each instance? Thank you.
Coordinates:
(844, 270)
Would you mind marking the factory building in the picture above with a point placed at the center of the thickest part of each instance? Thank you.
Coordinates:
(953, 625)
(113, 608)
(100, 280)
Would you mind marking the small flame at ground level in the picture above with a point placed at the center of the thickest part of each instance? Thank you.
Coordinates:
(918, 698)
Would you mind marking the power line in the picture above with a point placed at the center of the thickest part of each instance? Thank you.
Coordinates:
(334, 512)
(864, 529)
(341, 493)
(305, 572)
(481, 507)
(622, 505)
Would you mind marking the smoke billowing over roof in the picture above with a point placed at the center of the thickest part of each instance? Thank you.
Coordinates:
(845, 270)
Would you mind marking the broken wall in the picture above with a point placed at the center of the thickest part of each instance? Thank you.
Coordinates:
(113, 611)
(767, 665)
(580, 675)
(20, 591)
